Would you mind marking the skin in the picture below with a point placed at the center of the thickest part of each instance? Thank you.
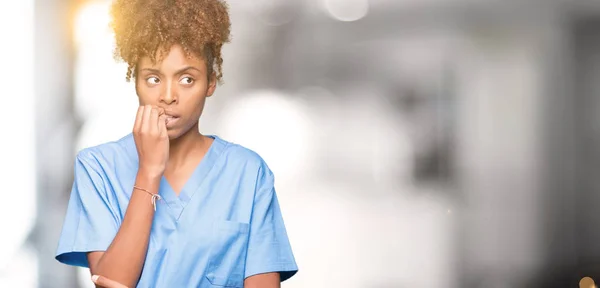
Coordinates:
(172, 94)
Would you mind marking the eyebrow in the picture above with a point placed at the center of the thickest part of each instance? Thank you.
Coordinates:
(180, 71)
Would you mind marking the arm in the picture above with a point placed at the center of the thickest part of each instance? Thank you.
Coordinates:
(266, 280)
(124, 259)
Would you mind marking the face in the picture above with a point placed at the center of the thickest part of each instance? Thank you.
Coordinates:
(179, 84)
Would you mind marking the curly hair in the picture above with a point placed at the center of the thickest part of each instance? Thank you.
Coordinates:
(148, 28)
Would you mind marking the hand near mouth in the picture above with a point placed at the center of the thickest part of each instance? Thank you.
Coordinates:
(151, 139)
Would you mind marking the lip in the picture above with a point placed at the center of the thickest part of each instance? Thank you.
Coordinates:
(171, 114)
(172, 121)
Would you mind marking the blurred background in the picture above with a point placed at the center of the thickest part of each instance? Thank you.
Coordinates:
(437, 143)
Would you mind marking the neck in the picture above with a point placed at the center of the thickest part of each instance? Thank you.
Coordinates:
(188, 144)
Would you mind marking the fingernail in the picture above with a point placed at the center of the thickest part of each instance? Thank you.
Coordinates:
(95, 278)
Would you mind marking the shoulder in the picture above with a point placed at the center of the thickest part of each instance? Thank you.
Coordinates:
(237, 155)
(106, 154)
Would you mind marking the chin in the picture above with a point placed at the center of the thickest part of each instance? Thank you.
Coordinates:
(173, 134)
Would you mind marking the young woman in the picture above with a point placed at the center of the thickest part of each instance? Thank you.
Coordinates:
(167, 206)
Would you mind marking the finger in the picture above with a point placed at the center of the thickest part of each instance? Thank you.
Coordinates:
(161, 111)
(106, 283)
(138, 119)
(146, 118)
(154, 119)
(162, 124)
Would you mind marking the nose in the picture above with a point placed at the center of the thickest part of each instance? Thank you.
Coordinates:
(169, 94)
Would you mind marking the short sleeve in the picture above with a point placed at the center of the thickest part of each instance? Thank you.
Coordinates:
(269, 248)
(90, 224)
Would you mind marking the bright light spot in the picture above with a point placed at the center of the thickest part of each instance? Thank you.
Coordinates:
(92, 22)
(587, 282)
(272, 125)
(347, 10)
(105, 101)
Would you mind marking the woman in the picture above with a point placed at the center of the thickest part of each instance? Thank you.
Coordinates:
(167, 206)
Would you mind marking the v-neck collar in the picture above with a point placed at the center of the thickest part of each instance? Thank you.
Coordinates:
(176, 203)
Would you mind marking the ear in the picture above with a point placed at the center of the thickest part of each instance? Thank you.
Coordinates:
(212, 85)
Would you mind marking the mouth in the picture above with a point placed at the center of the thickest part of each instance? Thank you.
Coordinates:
(171, 120)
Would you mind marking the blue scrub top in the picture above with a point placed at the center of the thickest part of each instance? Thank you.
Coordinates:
(224, 226)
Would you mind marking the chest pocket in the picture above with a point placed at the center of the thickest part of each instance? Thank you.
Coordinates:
(228, 254)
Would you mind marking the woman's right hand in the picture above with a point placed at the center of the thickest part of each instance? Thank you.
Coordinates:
(151, 140)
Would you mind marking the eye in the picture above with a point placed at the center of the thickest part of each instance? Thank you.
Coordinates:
(186, 80)
(153, 80)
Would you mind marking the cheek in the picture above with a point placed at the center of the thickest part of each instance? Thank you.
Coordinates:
(195, 110)
(193, 100)
(146, 95)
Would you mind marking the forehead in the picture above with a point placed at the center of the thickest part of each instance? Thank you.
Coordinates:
(172, 59)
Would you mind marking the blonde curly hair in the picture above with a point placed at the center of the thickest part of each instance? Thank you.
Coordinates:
(148, 28)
